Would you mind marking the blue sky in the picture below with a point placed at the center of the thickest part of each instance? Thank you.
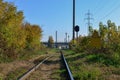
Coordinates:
(54, 15)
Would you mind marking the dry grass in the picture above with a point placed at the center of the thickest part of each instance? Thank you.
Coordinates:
(6, 68)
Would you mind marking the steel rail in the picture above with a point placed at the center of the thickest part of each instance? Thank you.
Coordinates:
(26, 74)
(67, 67)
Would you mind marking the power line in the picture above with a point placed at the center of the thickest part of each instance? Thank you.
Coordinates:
(13, 1)
(101, 6)
(114, 9)
(104, 7)
(97, 6)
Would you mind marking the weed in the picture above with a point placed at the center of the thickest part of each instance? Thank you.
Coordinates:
(1, 76)
(101, 58)
(93, 66)
(15, 74)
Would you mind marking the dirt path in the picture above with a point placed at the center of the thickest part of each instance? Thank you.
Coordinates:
(49, 70)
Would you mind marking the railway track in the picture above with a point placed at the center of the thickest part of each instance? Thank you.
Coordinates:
(53, 67)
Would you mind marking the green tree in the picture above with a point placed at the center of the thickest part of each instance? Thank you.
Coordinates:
(102, 30)
(90, 30)
(50, 42)
(118, 29)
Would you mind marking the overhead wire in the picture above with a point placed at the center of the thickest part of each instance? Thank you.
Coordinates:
(114, 9)
(110, 11)
(98, 7)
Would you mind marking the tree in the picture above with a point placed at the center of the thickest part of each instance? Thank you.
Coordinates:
(33, 35)
(110, 36)
(84, 43)
(103, 31)
(50, 42)
(90, 30)
(10, 27)
(95, 41)
(14, 34)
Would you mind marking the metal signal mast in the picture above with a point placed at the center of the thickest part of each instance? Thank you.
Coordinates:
(73, 19)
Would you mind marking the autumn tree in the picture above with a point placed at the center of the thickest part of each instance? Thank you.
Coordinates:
(113, 36)
(107, 38)
(33, 35)
(83, 43)
(110, 36)
(10, 22)
(14, 34)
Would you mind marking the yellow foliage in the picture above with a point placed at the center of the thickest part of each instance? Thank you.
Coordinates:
(95, 40)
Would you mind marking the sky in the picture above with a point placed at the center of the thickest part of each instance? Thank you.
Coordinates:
(56, 15)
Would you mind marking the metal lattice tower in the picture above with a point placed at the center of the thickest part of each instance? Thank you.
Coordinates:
(89, 18)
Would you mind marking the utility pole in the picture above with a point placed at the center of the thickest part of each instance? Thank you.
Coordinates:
(89, 18)
(73, 19)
